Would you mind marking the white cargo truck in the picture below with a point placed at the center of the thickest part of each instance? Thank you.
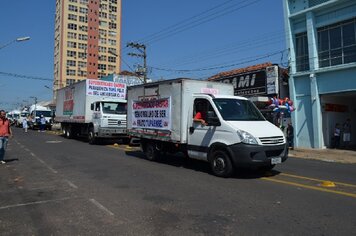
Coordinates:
(234, 134)
(36, 111)
(93, 108)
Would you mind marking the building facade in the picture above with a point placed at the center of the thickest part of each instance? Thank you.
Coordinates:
(321, 35)
(87, 40)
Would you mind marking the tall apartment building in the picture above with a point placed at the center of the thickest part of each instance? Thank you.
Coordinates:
(87, 40)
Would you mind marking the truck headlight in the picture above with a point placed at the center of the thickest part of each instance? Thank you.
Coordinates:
(246, 137)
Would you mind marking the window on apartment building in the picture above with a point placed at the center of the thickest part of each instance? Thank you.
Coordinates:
(83, 28)
(72, 8)
(112, 25)
(112, 8)
(71, 63)
(102, 40)
(102, 49)
(71, 44)
(83, 10)
(111, 59)
(103, 6)
(113, 1)
(72, 26)
(71, 53)
(112, 42)
(102, 32)
(112, 33)
(82, 73)
(70, 82)
(83, 19)
(103, 23)
(70, 72)
(82, 64)
(112, 16)
(101, 67)
(111, 67)
(113, 50)
(102, 58)
(84, 2)
(82, 46)
(103, 15)
(71, 35)
(82, 55)
(72, 17)
(73, 1)
(83, 37)
(301, 52)
(337, 43)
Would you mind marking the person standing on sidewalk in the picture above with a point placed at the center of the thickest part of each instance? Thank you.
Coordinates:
(290, 135)
(337, 132)
(346, 129)
(5, 133)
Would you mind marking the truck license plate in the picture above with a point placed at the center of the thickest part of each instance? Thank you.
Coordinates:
(276, 160)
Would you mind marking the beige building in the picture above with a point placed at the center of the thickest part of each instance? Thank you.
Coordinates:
(87, 40)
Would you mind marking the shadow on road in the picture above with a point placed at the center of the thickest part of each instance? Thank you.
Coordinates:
(179, 160)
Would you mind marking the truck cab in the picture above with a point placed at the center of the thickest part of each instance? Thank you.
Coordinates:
(109, 119)
(36, 111)
(235, 128)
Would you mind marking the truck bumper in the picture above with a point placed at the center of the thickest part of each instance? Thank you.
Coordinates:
(112, 132)
(244, 155)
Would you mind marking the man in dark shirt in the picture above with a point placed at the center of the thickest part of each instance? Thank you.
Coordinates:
(290, 135)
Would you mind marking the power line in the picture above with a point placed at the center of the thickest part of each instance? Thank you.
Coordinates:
(24, 76)
(199, 22)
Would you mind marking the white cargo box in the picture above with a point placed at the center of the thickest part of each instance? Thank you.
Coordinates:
(159, 110)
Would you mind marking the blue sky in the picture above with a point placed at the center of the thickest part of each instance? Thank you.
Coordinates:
(224, 35)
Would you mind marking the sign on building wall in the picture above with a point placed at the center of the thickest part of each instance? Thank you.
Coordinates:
(272, 79)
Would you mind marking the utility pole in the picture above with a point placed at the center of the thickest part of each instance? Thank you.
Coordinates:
(142, 49)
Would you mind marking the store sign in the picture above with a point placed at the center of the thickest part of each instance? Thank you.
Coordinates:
(152, 114)
(247, 84)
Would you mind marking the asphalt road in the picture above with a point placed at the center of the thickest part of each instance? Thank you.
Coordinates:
(55, 186)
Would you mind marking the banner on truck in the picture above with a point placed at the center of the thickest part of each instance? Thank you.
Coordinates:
(152, 114)
(106, 89)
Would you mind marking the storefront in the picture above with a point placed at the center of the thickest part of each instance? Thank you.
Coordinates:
(260, 83)
(321, 36)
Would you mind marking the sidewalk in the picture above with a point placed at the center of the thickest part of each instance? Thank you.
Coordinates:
(329, 155)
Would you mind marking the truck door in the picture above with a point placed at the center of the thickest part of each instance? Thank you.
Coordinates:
(96, 116)
(200, 134)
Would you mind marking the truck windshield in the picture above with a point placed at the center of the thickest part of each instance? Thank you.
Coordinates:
(44, 113)
(238, 110)
(114, 108)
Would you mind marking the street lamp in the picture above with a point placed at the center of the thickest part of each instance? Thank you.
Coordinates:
(21, 39)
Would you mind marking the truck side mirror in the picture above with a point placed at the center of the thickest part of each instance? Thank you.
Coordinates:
(92, 106)
(212, 119)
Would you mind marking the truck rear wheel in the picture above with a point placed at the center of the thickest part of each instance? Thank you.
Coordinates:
(68, 132)
(221, 164)
(151, 151)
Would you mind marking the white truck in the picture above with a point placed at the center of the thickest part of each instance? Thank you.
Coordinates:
(36, 111)
(92, 108)
(24, 114)
(235, 134)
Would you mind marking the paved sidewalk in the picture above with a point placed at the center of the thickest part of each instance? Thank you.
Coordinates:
(329, 155)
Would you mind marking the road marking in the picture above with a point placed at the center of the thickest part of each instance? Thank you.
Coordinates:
(353, 195)
(318, 180)
(54, 141)
(101, 207)
(26, 149)
(35, 203)
(71, 184)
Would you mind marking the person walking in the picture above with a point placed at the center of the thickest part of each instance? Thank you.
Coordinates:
(346, 129)
(42, 123)
(25, 124)
(290, 135)
(5, 133)
(337, 132)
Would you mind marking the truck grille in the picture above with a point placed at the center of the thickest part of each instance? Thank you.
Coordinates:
(272, 140)
(115, 122)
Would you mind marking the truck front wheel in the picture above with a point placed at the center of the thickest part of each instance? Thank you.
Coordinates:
(91, 137)
(221, 164)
